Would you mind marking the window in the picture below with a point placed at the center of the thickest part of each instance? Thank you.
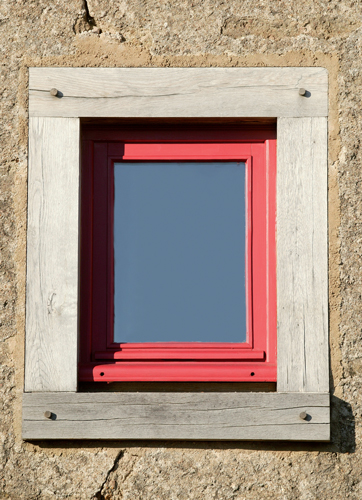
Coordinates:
(299, 409)
(178, 246)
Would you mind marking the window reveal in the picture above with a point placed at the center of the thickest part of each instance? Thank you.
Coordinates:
(200, 199)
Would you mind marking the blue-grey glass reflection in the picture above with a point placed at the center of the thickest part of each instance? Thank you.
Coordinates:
(179, 248)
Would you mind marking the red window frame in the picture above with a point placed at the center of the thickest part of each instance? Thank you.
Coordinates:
(103, 360)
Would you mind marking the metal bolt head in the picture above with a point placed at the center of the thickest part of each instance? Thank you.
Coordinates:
(48, 414)
(302, 91)
(54, 92)
(303, 415)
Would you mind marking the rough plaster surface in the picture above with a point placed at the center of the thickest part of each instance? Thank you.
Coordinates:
(187, 33)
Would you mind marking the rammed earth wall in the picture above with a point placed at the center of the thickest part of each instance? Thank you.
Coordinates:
(189, 33)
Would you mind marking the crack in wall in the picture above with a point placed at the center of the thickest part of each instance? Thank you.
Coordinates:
(99, 495)
(89, 19)
(84, 22)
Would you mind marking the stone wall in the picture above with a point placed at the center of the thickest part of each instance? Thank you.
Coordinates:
(116, 33)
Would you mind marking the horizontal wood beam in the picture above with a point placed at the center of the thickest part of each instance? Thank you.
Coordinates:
(179, 416)
(178, 92)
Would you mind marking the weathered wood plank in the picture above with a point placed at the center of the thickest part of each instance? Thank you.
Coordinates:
(195, 416)
(302, 255)
(52, 255)
(178, 92)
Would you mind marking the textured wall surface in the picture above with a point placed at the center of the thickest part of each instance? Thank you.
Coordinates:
(187, 33)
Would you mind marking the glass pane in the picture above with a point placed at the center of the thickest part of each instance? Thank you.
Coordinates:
(179, 252)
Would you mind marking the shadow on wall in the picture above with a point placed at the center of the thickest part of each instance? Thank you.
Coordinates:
(342, 427)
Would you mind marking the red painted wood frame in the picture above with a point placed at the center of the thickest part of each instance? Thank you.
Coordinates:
(101, 359)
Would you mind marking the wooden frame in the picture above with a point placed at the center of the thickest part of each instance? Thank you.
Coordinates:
(253, 360)
(302, 247)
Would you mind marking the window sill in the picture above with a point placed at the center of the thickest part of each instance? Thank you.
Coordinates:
(179, 416)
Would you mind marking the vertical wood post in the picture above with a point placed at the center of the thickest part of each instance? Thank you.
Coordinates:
(302, 255)
(52, 255)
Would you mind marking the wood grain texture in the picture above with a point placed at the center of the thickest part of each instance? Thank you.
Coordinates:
(302, 255)
(184, 416)
(52, 255)
(178, 92)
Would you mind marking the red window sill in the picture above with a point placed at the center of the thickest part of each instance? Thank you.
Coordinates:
(173, 371)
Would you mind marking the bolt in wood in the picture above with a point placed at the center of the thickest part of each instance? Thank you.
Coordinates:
(303, 415)
(302, 91)
(48, 414)
(54, 92)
